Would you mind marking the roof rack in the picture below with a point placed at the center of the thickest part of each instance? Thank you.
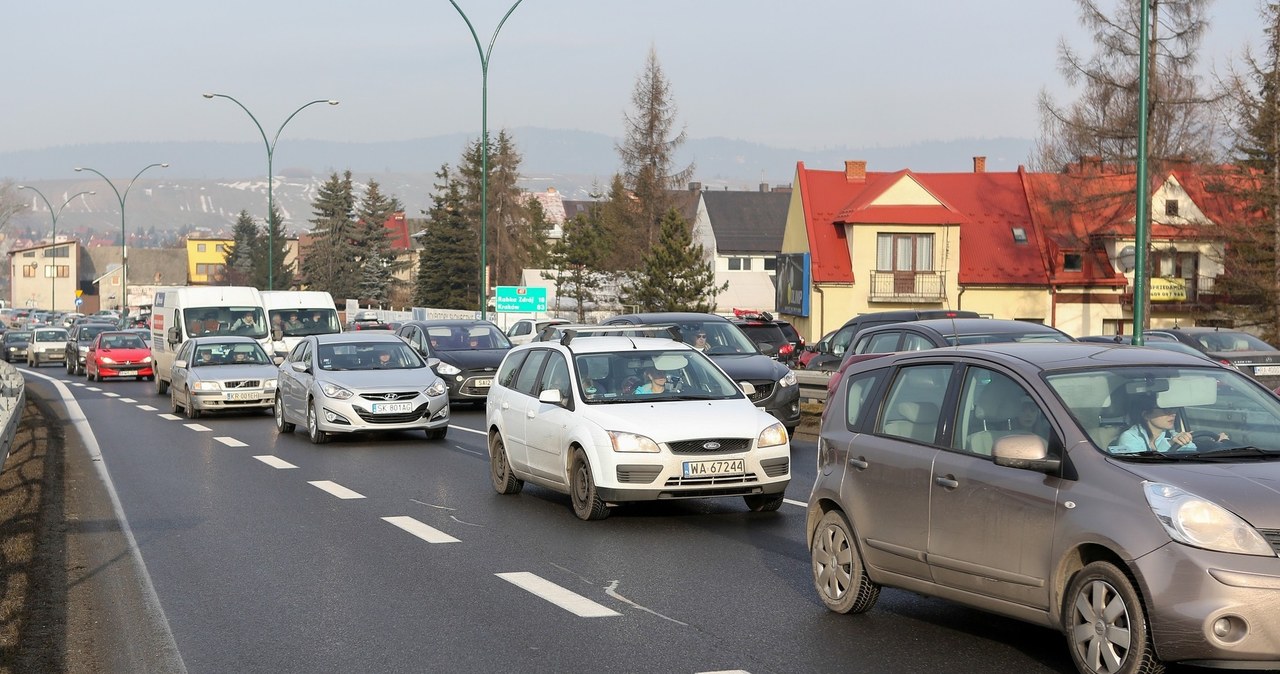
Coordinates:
(568, 333)
(753, 315)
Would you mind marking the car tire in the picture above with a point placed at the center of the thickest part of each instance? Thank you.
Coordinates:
(1097, 591)
(587, 504)
(317, 436)
(437, 433)
(193, 412)
(80, 368)
(70, 368)
(763, 503)
(162, 386)
(504, 480)
(277, 410)
(174, 407)
(839, 574)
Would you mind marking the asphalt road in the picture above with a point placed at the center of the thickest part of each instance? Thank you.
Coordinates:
(392, 553)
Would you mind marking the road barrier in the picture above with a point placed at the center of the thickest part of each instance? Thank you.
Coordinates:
(12, 400)
(813, 385)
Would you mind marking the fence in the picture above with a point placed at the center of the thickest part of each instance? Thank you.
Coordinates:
(12, 399)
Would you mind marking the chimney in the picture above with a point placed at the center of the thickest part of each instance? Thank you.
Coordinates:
(695, 187)
(979, 164)
(764, 187)
(855, 171)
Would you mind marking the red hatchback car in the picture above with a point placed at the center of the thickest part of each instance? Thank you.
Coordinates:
(118, 354)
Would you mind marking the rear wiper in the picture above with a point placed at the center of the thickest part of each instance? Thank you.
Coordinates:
(1242, 452)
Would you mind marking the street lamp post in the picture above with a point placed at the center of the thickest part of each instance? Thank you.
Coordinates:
(484, 142)
(124, 241)
(53, 236)
(271, 149)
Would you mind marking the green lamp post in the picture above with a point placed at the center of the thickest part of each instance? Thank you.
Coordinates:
(124, 241)
(53, 236)
(271, 149)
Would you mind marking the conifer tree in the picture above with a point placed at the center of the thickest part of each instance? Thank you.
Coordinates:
(516, 236)
(376, 259)
(676, 274)
(281, 277)
(448, 266)
(329, 262)
(575, 261)
(245, 249)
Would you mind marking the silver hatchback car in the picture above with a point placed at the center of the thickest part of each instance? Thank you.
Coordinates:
(1128, 497)
(359, 381)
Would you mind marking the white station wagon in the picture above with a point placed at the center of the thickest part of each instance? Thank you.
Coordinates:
(611, 419)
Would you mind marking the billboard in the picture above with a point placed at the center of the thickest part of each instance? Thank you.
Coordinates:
(793, 284)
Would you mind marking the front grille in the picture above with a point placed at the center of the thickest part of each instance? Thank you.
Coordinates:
(638, 474)
(710, 480)
(402, 418)
(1273, 537)
(727, 445)
(242, 383)
(776, 467)
(762, 392)
(382, 397)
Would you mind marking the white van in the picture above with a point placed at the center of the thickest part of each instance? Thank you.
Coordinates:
(179, 313)
(298, 313)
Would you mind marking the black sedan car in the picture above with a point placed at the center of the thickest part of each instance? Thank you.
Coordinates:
(15, 345)
(1240, 350)
(775, 384)
(464, 353)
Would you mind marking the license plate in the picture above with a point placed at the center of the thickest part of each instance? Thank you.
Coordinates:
(1267, 369)
(724, 467)
(483, 383)
(243, 395)
(392, 408)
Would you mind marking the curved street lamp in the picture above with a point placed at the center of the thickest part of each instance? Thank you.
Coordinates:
(271, 149)
(484, 143)
(53, 236)
(124, 241)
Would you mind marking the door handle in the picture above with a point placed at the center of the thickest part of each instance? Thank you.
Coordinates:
(529, 414)
(946, 481)
(505, 406)
(859, 463)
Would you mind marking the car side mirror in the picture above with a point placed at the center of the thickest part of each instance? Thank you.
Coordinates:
(179, 364)
(747, 388)
(551, 397)
(1026, 452)
(299, 366)
(173, 336)
(277, 359)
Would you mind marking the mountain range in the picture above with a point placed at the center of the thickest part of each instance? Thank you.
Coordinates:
(208, 183)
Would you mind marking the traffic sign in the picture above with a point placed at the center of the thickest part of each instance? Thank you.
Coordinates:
(79, 301)
(510, 299)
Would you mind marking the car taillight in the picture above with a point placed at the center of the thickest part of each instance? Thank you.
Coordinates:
(786, 350)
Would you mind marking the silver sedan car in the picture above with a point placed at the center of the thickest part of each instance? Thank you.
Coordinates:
(354, 382)
(221, 373)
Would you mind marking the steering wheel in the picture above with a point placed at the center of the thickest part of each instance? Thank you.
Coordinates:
(1205, 439)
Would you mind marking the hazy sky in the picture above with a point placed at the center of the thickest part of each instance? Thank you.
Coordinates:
(805, 75)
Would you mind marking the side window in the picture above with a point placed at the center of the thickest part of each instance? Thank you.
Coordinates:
(556, 376)
(914, 342)
(527, 380)
(414, 335)
(185, 352)
(881, 342)
(510, 366)
(857, 405)
(914, 402)
(992, 405)
(520, 328)
(301, 353)
(840, 343)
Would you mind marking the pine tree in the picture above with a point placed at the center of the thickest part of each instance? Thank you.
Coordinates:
(376, 259)
(243, 253)
(513, 239)
(676, 274)
(449, 267)
(281, 277)
(575, 261)
(647, 154)
(329, 262)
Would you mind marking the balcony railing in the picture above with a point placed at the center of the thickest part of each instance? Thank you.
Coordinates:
(908, 286)
(1173, 293)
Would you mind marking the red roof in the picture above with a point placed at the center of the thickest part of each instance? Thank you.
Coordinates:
(398, 231)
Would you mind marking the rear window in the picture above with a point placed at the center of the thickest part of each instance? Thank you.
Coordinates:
(766, 333)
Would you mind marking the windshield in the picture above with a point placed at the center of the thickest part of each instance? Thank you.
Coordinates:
(246, 321)
(229, 353)
(467, 337)
(723, 337)
(1175, 412)
(646, 376)
(88, 332)
(300, 322)
(121, 340)
(368, 356)
(1226, 341)
(17, 336)
(51, 335)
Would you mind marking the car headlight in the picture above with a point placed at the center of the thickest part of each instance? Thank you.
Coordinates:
(269, 384)
(147, 359)
(205, 386)
(788, 380)
(106, 360)
(630, 442)
(772, 436)
(446, 369)
(334, 391)
(437, 388)
(1201, 523)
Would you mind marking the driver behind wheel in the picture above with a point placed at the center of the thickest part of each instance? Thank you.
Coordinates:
(1156, 429)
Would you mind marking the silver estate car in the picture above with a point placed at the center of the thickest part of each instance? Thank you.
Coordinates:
(359, 381)
(1128, 497)
(221, 373)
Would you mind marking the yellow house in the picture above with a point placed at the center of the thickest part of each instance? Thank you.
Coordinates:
(207, 261)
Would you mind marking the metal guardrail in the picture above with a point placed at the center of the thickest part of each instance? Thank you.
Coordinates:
(12, 400)
(813, 385)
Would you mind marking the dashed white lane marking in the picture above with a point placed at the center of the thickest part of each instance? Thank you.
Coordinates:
(229, 441)
(565, 599)
(93, 388)
(128, 400)
(727, 671)
(802, 504)
(79, 383)
(335, 489)
(146, 408)
(170, 417)
(426, 533)
(109, 394)
(468, 430)
(274, 462)
(198, 427)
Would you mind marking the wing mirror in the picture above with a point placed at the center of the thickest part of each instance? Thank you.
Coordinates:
(747, 388)
(299, 366)
(179, 364)
(551, 397)
(1025, 451)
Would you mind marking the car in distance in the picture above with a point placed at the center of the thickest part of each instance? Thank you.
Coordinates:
(527, 330)
(829, 357)
(464, 353)
(214, 374)
(1031, 480)
(572, 416)
(79, 337)
(46, 346)
(774, 386)
(769, 337)
(367, 320)
(15, 344)
(1237, 349)
(358, 382)
(1153, 341)
(118, 353)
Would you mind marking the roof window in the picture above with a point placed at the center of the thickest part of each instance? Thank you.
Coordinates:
(1019, 235)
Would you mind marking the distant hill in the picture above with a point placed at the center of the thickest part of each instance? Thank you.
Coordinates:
(207, 183)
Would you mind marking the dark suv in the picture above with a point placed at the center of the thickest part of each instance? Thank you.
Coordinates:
(775, 385)
(829, 357)
(1237, 349)
(767, 334)
(79, 337)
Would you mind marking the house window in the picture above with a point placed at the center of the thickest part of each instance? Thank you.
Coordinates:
(1072, 262)
(199, 247)
(60, 270)
(904, 252)
(221, 247)
(739, 264)
(1171, 207)
(57, 251)
(30, 253)
(208, 270)
(771, 264)
(1019, 235)
(29, 271)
